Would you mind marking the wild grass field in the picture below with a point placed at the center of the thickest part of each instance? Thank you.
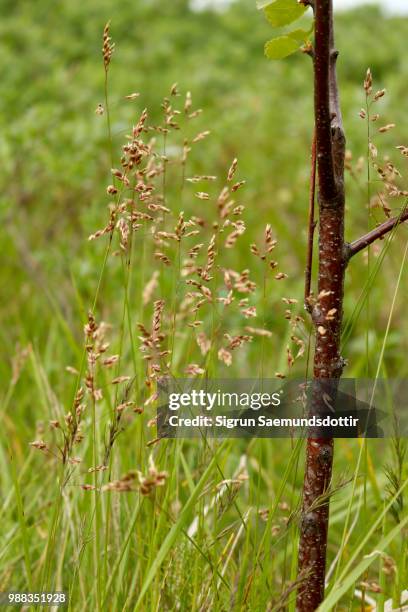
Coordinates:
(133, 232)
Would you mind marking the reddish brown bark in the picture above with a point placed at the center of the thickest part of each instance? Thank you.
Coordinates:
(333, 256)
(330, 147)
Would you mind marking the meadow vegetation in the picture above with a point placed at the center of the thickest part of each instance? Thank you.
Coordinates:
(165, 232)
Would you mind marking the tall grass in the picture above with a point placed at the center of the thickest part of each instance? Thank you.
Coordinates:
(122, 520)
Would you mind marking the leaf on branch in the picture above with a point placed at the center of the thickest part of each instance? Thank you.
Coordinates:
(283, 12)
(300, 35)
(280, 47)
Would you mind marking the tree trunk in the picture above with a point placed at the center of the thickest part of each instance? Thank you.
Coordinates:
(330, 149)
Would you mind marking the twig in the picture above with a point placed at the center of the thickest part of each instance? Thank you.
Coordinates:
(378, 232)
(311, 225)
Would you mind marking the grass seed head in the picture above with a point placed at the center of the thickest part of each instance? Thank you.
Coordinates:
(232, 169)
(108, 46)
(368, 82)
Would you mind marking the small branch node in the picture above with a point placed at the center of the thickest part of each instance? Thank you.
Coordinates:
(334, 54)
(308, 50)
(346, 252)
(316, 315)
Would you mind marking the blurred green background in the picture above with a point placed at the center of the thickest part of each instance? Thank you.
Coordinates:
(54, 155)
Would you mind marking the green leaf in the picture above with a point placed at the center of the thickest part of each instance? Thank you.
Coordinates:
(280, 47)
(301, 36)
(282, 12)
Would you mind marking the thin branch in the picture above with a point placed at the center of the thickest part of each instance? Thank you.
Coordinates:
(311, 224)
(323, 111)
(378, 232)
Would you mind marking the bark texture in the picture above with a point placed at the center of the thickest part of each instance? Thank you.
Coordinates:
(328, 363)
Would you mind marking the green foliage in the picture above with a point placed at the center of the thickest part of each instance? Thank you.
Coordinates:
(55, 163)
(301, 36)
(280, 13)
(280, 47)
